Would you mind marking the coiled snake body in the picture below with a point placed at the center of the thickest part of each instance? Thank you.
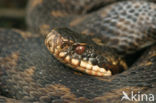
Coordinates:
(28, 72)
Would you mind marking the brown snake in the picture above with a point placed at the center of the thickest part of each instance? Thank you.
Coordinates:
(126, 29)
(29, 73)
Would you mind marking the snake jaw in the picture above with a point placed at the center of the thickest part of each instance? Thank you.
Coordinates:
(86, 60)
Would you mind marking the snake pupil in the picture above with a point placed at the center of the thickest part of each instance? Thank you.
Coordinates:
(80, 49)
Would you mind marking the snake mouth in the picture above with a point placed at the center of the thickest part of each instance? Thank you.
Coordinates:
(62, 48)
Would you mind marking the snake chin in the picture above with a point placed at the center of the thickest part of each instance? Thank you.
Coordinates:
(81, 56)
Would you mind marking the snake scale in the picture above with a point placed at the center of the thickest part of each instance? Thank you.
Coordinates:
(29, 73)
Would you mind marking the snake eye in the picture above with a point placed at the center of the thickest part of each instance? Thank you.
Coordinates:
(80, 49)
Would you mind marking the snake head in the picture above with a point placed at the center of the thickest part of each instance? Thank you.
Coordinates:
(82, 54)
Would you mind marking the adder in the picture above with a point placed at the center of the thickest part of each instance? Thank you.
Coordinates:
(89, 36)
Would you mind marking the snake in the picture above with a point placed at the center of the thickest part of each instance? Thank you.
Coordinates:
(75, 52)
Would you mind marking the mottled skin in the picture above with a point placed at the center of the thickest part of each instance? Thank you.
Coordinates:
(29, 73)
(130, 21)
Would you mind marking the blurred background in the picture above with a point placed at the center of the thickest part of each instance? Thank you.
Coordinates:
(12, 14)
